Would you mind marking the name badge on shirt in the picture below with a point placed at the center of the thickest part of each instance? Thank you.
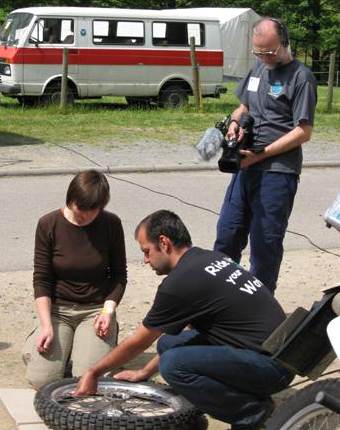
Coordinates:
(253, 84)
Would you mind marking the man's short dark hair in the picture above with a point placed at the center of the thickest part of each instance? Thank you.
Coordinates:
(166, 223)
(88, 190)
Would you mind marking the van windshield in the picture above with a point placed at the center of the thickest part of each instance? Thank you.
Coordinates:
(14, 27)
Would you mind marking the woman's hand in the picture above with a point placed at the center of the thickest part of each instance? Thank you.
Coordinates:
(44, 339)
(103, 325)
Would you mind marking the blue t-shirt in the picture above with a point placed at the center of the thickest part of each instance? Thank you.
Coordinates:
(278, 100)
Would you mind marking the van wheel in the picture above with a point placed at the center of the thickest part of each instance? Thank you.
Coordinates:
(173, 96)
(52, 95)
(56, 97)
(137, 102)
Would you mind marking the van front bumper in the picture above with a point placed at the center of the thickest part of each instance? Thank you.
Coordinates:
(8, 89)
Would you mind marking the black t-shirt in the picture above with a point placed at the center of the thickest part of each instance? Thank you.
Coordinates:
(218, 298)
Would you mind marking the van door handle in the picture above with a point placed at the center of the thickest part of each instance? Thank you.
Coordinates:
(73, 51)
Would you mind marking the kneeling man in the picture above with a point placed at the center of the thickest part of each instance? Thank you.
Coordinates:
(212, 317)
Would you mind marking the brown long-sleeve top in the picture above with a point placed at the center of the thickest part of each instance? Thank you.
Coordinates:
(79, 265)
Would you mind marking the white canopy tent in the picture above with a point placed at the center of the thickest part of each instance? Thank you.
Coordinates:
(236, 28)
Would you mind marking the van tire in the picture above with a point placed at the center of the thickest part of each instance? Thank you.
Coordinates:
(56, 97)
(52, 94)
(173, 96)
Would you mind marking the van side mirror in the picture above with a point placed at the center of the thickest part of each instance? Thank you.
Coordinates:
(32, 39)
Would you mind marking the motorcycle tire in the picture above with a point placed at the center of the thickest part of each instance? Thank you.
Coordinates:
(118, 405)
(301, 412)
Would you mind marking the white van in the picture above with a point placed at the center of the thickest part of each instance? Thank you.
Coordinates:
(140, 54)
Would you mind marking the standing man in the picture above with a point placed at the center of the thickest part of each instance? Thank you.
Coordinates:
(279, 93)
(218, 364)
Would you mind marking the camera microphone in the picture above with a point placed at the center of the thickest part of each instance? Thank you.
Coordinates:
(210, 143)
(214, 138)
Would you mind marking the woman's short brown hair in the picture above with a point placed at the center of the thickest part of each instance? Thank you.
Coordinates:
(88, 190)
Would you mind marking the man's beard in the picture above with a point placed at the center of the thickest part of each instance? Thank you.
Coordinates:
(274, 65)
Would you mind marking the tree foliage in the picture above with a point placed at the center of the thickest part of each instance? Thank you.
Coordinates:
(314, 25)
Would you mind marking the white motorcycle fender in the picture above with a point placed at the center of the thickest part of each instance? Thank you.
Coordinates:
(333, 331)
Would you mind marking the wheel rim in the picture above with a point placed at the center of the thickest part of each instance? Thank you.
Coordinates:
(175, 100)
(313, 417)
(115, 399)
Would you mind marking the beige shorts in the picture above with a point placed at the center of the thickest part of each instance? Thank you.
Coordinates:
(74, 341)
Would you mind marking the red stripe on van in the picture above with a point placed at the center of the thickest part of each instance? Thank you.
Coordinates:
(157, 57)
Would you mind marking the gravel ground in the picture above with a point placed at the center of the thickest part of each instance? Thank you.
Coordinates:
(303, 274)
(140, 154)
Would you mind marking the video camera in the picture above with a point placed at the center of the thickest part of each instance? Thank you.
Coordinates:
(231, 158)
(215, 137)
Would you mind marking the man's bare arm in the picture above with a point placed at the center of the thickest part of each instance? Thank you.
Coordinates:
(128, 349)
(296, 137)
(234, 131)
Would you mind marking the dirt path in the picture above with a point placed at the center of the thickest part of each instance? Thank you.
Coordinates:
(303, 275)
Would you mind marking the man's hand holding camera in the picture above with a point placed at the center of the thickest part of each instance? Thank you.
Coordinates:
(250, 157)
(235, 131)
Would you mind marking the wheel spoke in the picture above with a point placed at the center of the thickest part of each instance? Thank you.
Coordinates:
(94, 403)
(116, 402)
(320, 419)
(145, 407)
(329, 421)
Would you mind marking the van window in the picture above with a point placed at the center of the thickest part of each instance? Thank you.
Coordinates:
(53, 30)
(113, 32)
(14, 28)
(177, 33)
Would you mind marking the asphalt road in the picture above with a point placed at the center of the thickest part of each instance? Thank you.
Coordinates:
(25, 199)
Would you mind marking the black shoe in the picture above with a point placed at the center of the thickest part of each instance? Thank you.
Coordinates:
(262, 418)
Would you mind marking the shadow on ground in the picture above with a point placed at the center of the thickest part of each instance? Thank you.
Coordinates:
(4, 345)
(14, 139)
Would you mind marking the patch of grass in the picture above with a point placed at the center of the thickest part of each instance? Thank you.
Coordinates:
(110, 119)
(327, 125)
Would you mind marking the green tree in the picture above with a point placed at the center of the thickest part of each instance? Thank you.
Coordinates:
(314, 25)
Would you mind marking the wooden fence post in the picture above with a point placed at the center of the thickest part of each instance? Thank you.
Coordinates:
(63, 95)
(195, 75)
(330, 82)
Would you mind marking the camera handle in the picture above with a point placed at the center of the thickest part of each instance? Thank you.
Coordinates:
(223, 125)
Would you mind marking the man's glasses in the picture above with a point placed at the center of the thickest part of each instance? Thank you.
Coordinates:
(270, 53)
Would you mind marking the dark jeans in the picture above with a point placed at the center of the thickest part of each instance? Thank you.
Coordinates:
(230, 384)
(257, 204)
